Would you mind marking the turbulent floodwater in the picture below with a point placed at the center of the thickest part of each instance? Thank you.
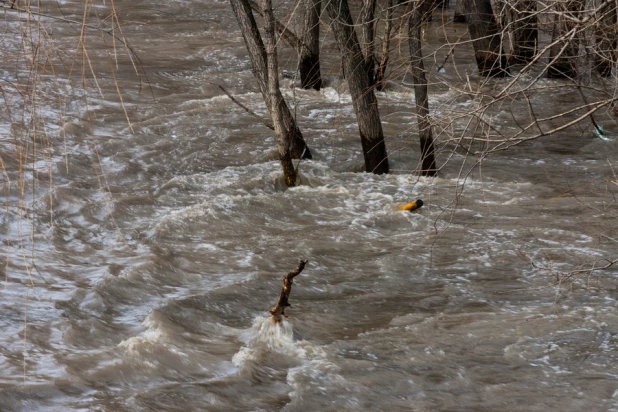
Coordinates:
(167, 242)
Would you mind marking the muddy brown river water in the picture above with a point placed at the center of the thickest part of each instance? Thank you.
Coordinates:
(137, 277)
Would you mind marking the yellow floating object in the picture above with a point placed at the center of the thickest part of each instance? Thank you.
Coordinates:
(412, 206)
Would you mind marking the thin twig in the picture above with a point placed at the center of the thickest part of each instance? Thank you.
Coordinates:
(251, 112)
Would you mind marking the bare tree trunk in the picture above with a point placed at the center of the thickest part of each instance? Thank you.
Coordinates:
(563, 55)
(284, 134)
(460, 14)
(257, 55)
(388, 28)
(368, 25)
(307, 48)
(606, 43)
(431, 7)
(286, 34)
(309, 58)
(524, 32)
(585, 59)
(363, 96)
(428, 163)
(485, 35)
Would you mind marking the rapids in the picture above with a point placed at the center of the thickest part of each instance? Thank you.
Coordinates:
(141, 259)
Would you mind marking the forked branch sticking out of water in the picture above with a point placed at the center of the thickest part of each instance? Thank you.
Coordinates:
(278, 311)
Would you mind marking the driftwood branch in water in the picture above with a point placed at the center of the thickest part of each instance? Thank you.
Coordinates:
(251, 112)
(278, 311)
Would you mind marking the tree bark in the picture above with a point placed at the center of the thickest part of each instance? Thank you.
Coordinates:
(309, 56)
(286, 34)
(485, 35)
(524, 32)
(585, 54)
(278, 312)
(307, 48)
(431, 7)
(363, 96)
(283, 132)
(605, 57)
(460, 14)
(385, 54)
(563, 54)
(257, 55)
(368, 25)
(421, 95)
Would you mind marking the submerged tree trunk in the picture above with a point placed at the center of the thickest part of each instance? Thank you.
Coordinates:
(485, 35)
(368, 25)
(363, 96)
(283, 132)
(309, 57)
(524, 32)
(460, 14)
(428, 163)
(257, 55)
(563, 54)
(388, 28)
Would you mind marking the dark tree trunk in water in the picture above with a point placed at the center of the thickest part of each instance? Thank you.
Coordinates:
(309, 57)
(563, 55)
(460, 14)
(428, 163)
(368, 25)
(485, 35)
(525, 33)
(307, 48)
(283, 132)
(259, 61)
(606, 43)
(388, 28)
(363, 97)
(431, 7)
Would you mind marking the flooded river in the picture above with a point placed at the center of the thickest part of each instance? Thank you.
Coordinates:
(140, 259)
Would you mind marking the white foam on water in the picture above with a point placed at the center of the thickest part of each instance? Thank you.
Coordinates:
(166, 349)
(219, 101)
(154, 334)
(314, 376)
(268, 340)
(323, 115)
(268, 337)
(336, 96)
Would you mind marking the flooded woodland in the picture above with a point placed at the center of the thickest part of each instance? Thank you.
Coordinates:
(145, 224)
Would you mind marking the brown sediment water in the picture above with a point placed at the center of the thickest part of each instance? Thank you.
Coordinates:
(158, 277)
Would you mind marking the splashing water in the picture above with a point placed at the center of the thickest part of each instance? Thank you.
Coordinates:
(272, 347)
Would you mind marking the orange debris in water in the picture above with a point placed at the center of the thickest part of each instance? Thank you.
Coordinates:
(413, 205)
